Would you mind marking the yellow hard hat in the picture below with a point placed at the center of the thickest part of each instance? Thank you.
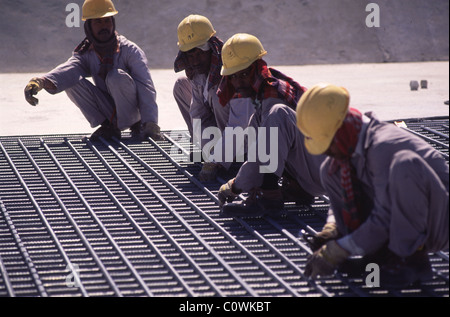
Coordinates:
(195, 30)
(320, 113)
(239, 52)
(95, 9)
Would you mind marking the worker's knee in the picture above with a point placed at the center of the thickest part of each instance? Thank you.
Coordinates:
(279, 116)
(119, 79)
(181, 87)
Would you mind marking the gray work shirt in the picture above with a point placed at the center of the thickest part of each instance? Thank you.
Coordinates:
(284, 144)
(130, 59)
(378, 142)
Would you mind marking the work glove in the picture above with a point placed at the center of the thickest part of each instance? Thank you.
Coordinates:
(329, 232)
(32, 88)
(208, 172)
(326, 260)
(152, 130)
(227, 193)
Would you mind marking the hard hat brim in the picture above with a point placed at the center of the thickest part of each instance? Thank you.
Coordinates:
(107, 14)
(232, 70)
(318, 147)
(190, 46)
(320, 144)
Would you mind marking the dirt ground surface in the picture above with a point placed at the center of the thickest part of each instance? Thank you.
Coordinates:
(383, 88)
(373, 51)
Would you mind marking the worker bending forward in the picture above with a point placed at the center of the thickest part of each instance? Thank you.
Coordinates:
(388, 190)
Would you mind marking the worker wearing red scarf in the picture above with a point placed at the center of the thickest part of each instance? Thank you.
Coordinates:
(199, 56)
(274, 97)
(388, 190)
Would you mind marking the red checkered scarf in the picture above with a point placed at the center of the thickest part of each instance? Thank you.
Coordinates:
(268, 83)
(214, 78)
(346, 139)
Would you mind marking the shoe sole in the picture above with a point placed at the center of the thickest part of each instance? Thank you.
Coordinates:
(421, 278)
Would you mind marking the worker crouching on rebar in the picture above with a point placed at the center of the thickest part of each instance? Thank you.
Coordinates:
(123, 94)
(200, 57)
(274, 96)
(388, 190)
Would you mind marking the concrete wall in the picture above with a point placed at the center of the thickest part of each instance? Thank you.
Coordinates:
(35, 38)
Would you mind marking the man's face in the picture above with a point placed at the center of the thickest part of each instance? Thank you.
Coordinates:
(102, 28)
(199, 60)
(242, 82)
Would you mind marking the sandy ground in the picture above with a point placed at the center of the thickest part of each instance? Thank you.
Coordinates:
(383, 88)
(373, 63)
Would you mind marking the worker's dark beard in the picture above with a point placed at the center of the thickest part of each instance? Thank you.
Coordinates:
(102, 48)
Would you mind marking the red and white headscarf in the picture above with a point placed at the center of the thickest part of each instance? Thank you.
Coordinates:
(267, 82)
(346, 139)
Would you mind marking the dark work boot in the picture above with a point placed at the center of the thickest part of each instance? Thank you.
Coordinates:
(356, 266)
(400, 272)
(135, 130)
(259, 203)
(107, 131)
(292, 191)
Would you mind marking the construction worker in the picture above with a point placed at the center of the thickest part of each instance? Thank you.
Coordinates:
(274, 97)
(122, 96)
(200, 57)
(388, 190)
